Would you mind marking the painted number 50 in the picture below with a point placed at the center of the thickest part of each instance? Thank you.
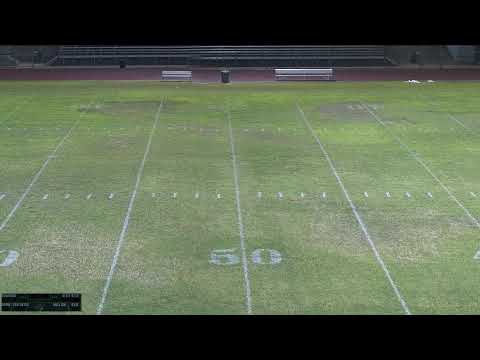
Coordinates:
(9, 259)
(258, 256)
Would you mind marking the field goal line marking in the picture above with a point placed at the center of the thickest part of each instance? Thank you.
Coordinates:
(248, 292)
(420, 161)
(126, 221)
(39, 173)
(356, 214)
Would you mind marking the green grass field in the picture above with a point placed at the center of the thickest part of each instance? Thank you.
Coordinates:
(168, 198)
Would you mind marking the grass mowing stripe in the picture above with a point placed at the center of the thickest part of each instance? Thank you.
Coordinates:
(357, 215)
(248, 292)
(129, 211)
(39, 173)
(420, 161)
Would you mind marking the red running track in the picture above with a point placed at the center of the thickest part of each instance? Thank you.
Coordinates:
(237, 75)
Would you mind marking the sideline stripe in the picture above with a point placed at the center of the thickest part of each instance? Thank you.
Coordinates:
(127, 216)
(420, 161)
(248, 292)
(357, 215)
(39, 173)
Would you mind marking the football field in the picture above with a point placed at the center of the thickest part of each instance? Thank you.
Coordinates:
(267, 198)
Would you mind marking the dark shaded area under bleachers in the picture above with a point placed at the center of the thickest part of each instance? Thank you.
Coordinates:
(6, 59)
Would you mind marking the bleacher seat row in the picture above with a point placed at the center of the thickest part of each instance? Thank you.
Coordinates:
(222, 55)
(304, 74)
(176, 75)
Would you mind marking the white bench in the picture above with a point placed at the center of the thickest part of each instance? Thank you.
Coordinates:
(177, 75)
(304, 74)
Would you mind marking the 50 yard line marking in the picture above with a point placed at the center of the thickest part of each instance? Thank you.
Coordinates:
(126, 221)
(357, 215)
(248, 292)
(420, 161)
(39, 173)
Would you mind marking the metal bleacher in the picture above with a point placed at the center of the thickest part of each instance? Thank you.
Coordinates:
(222, 55)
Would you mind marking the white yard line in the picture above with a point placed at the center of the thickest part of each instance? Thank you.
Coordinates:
(248, 292)
(126, 221)
(39, 173)
(458, 122)
(357, 215)
(420, 161)
(448, 114)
